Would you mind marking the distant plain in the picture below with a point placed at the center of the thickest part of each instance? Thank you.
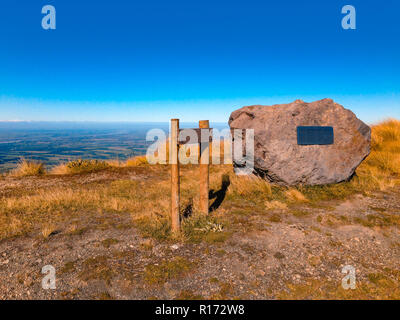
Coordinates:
(57, 142)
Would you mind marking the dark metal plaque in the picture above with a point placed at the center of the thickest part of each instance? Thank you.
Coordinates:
(314, 135)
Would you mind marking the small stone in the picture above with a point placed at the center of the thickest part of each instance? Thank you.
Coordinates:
(279, 255)
(28, 282)
(174, 247)
(260, 273)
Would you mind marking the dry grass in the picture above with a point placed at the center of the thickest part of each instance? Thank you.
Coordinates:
(136, 161)
(47, 230)
(115, 163)
(80, 166)
(29, 168)
(385, 145)
(275, 204)
(386, 135)
(21, 213)
(249, 186)
(294, 195)
(60, 169)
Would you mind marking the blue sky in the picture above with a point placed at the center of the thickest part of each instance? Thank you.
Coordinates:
(154, 60)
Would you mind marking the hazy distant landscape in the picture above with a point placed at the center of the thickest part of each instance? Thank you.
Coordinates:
(55, 142)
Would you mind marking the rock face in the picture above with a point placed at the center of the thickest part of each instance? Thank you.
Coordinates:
(279, 159)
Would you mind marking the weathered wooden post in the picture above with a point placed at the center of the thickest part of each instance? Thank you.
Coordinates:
(204, 167)
(174, 161)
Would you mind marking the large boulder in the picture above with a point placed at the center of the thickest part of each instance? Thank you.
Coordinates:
(279, 159)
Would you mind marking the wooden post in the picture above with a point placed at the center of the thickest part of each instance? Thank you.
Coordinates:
(174, 161)
(204, 169)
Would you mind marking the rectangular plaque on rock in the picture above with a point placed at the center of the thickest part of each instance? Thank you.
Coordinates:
(314, 135)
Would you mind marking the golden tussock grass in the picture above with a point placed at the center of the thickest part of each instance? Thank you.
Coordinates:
(294, 195)
(47, 230)
(24, 213)
(115, 163)
(249, 186)
(136, 161)
(81, 166)
(29, 168)
(60, 169)
(275, 204)
(385, 147)
(386, 135)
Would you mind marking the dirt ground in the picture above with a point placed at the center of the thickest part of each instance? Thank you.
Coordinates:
(291, 253)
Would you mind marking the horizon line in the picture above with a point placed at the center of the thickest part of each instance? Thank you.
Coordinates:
(97, 121)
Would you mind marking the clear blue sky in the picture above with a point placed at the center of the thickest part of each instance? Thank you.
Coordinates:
(153, 60)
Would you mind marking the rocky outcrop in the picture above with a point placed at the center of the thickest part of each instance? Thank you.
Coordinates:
(280, 159)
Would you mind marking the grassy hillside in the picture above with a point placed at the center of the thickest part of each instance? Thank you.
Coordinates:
(148, 202)
(87, 196)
